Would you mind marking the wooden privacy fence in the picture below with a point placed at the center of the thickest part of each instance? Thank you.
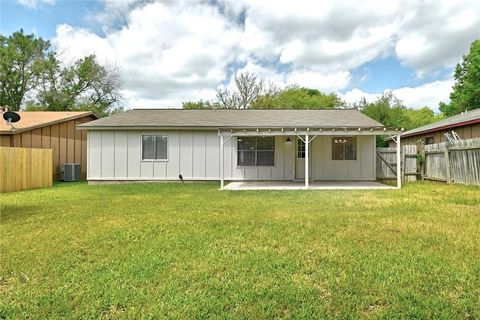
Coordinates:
(387, 163)
(453, 162)
(25, 168)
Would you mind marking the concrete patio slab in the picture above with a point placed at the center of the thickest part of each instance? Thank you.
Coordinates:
(300, 185)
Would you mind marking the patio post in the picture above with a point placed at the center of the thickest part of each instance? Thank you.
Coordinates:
(221, 162)
(399, 160)
(306, 161)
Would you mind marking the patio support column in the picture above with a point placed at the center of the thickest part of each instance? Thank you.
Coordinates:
(222, 173)
(306, 161)
(399, 160)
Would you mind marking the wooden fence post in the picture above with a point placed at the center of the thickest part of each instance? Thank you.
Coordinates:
(399, 163)
(447, 162)
(424, 157)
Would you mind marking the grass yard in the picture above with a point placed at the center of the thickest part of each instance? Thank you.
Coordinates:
(190, 251)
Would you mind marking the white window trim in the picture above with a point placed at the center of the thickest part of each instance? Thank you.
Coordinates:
(255, 165)
(299, 142)
(344, 160)
(154, 151)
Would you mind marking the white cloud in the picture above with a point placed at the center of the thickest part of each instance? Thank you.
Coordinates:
(33, 4)
(424, 35)
(326, 82)
(319, 34)
(429, 94)
(167, 52)
(436, 33)
(356, 95)
(114, 10)
(183, 50)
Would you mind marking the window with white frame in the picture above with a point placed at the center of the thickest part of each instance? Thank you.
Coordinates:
(300, 149)
(154, 147)
(344, 148)
(256, 151)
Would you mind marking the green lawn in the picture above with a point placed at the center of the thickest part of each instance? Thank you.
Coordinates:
(191, 251)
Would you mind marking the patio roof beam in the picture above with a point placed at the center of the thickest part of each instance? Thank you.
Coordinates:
(309, 140)
(273, 132)
(307, 174)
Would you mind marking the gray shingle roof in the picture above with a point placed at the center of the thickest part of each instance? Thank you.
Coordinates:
(458, 119)
(180, 118)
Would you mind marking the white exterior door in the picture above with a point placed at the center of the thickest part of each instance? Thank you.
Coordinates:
(300, 159)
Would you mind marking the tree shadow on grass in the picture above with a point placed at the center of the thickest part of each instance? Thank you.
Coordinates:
(11, 212)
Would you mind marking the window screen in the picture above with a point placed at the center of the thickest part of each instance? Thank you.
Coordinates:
(300, 149)
(154, 147)
(256, 151)
(148, 147)
(246, 151)
(344, 148)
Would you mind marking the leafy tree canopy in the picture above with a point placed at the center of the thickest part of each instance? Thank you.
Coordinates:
(32, 77)
(201, 104)
(391, 112)
(295, 97)
(251, 92)
(466, 90)
(20, 59)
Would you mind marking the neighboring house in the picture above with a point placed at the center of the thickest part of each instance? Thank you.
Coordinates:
(162, 144)
(50, 130)
(465, 125)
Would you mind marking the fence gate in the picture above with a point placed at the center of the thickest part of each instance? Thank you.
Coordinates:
(387, 163)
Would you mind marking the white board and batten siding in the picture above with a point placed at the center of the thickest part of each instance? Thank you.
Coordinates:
(324, 168)
(117, 155)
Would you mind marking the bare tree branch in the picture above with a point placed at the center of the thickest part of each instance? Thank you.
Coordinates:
(247, 88)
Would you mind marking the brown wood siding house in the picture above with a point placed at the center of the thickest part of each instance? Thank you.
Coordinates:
(51, 130)
(465, 125)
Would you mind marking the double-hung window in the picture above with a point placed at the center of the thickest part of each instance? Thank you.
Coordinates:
(300, 149)
(154, 147)
(344, 148)
(256, 151)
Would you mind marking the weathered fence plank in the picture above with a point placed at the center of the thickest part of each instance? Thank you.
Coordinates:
(25, 168)
(455, 162)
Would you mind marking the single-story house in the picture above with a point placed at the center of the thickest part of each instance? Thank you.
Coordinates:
(463, 126)
(50, 130)
(233, 145)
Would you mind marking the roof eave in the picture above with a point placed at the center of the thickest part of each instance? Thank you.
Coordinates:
(455, 125)
(45, 124)
(230, 128)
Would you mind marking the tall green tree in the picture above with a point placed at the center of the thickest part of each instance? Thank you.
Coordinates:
(466, 90)
(33, 77)
(391, 112)
(20, 57)
(84, 85)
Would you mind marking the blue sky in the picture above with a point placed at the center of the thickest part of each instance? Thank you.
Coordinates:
(176, 51)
